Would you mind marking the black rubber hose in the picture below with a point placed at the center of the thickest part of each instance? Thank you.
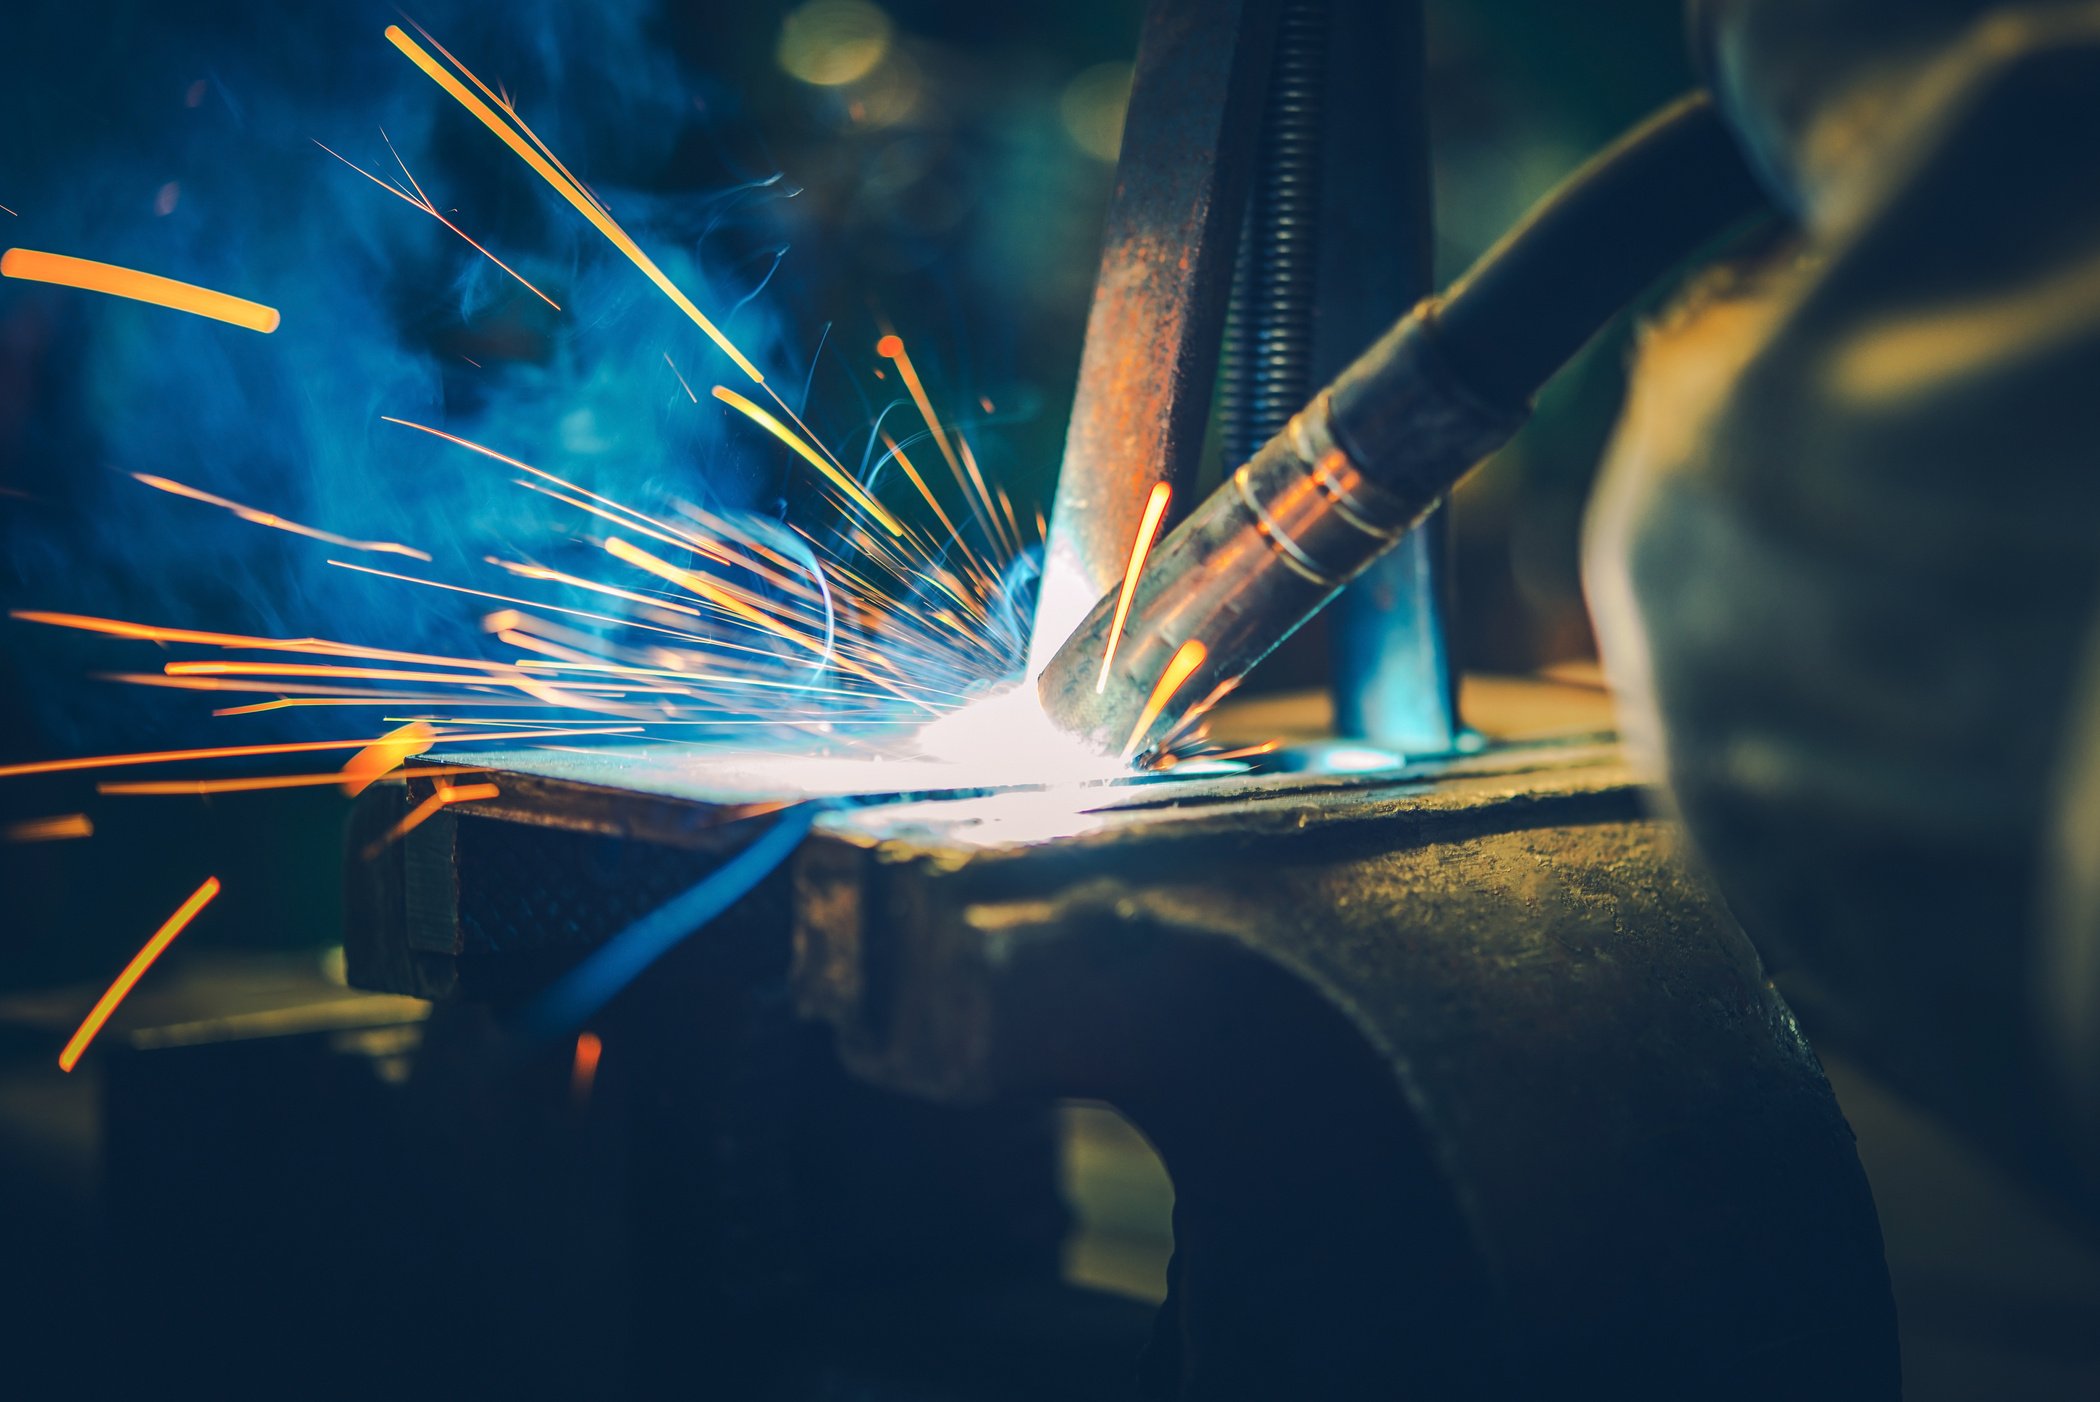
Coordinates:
(1638, 208)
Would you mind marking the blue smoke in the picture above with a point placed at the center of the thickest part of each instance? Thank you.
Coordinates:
(179, 139)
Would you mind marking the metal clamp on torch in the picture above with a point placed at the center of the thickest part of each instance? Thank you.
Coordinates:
(1372, 454)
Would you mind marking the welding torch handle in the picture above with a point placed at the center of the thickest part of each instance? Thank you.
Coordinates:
(1372, 454)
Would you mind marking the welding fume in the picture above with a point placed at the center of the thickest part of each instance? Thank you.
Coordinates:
(1181, 700)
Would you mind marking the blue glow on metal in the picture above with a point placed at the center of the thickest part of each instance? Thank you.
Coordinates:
(580, 993)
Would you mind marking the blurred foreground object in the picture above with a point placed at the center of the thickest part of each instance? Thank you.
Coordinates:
(1845, 558)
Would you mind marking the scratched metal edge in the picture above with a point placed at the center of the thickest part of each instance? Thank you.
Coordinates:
(707, 823)
(655, 802)
(930, 819)
(1262, 804)
(632, 795)
(883, 907)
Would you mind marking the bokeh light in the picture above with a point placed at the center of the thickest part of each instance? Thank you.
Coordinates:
(833, 42)
(1092, 108)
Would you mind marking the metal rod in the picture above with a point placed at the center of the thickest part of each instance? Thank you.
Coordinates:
(1390, 664)
(1149, 367)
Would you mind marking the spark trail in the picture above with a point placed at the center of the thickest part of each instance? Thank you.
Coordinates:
(65, 271)
(276, 522)
(174, 925)
(1148, 528)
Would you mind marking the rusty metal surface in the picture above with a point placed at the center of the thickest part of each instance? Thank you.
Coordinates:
(1465, 1083)
(1152, 338)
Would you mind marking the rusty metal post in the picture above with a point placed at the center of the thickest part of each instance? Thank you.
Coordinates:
(1152, 338)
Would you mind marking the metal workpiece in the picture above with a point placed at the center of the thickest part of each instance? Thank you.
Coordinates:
(1466, 1085)
(1343, 482)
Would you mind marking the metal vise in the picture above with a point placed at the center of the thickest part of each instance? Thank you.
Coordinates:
(1466, 1085)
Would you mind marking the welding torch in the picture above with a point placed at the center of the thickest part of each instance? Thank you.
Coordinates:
(1375, 451)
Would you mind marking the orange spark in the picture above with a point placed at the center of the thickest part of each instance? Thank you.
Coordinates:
(920, 482)
(190, 788)
(1190, 718)
(1148, 527)
(422, 201)
(325, 669)
(723, 598)
(1266, 747)
(583, 1072)
(630, 519)
(486, 452)
(511, 621)
(513, 637)
(838, 478)
(723, 526)
(511, 112)
(163, 937)
(1006, 505)
(292, 747)
(381, 698)
(514, 133)
(509, 599)
(57, 268)
(146, 632)
(1179, 668)
(414, 818)
(891, 347)
(970, 461)
(356, 696)
(387, 752)
(56, 829)
(627, 515)
(565, 186)
(681, 379)
(271, 519)
(716, 594)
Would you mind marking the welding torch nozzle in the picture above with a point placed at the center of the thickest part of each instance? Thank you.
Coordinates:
(1373, 453)
(1350, 474)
